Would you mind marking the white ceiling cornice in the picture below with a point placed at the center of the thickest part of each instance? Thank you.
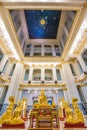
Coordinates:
(47, 1)
(44, 5)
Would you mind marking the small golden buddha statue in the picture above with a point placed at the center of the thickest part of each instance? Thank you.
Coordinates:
(78, 114)
(7, 116)
(17, 115)
(69, 113)
(74, 116)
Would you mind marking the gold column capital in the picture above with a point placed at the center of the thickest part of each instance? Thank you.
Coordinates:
(20, 89)
(85, 4)
(0, 3)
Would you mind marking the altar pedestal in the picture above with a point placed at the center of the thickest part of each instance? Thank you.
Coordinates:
(44, 117)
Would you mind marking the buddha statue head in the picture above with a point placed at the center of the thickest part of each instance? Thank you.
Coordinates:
(11, 99)
(42, 92)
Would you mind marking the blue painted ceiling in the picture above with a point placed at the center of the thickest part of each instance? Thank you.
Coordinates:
(42, 24)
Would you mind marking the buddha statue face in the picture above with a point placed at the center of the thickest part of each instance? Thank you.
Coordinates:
(42, 92)
(11, 99)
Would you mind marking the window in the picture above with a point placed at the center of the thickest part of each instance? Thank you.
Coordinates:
(26, 75)
(12, 70)
(81, 94)
(64, 37)
(72, 69)
(1, 55)
(68, 23)
(57, 50)
(58, 74)
(70, 15)
(37, 74)
(84, 56)
(47, 50)
(61, 46)
(27, 50)
(5, 67)
(21, 36)
(48, 74)
(37, 50)
(15, 18)
(80, 67)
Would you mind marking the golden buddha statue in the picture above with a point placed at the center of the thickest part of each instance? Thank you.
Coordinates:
(11, 102)
(7, 116)
(78, 114)
(42, 100)
(17, 115)
(74, 116)
(69, 113)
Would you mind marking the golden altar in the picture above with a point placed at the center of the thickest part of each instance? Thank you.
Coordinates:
(44, 118)
(43, 115)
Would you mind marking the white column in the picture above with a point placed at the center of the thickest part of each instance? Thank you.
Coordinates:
(62, 75)
(30, 74)
(32, 51)
(16, 78)
(82, 63)
(66, 31)
(65, 94)
(1, 91)
(42, 74)
(84, 92)
(54, 74)
(70, 84)
(19, 94)
(23, 74)
(53, 50)
(9, 67)
(3, 61)
(42, 50)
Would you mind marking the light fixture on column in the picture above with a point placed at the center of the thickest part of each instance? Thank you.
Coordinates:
(28, 91)
(35, 91)
(56, 91)
(49, 91)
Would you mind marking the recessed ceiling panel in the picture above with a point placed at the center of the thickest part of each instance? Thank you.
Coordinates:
(42, 24)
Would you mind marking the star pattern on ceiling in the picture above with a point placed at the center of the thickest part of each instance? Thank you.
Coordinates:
(42, 24)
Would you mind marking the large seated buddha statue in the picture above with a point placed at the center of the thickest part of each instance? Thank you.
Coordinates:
(42, 100)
